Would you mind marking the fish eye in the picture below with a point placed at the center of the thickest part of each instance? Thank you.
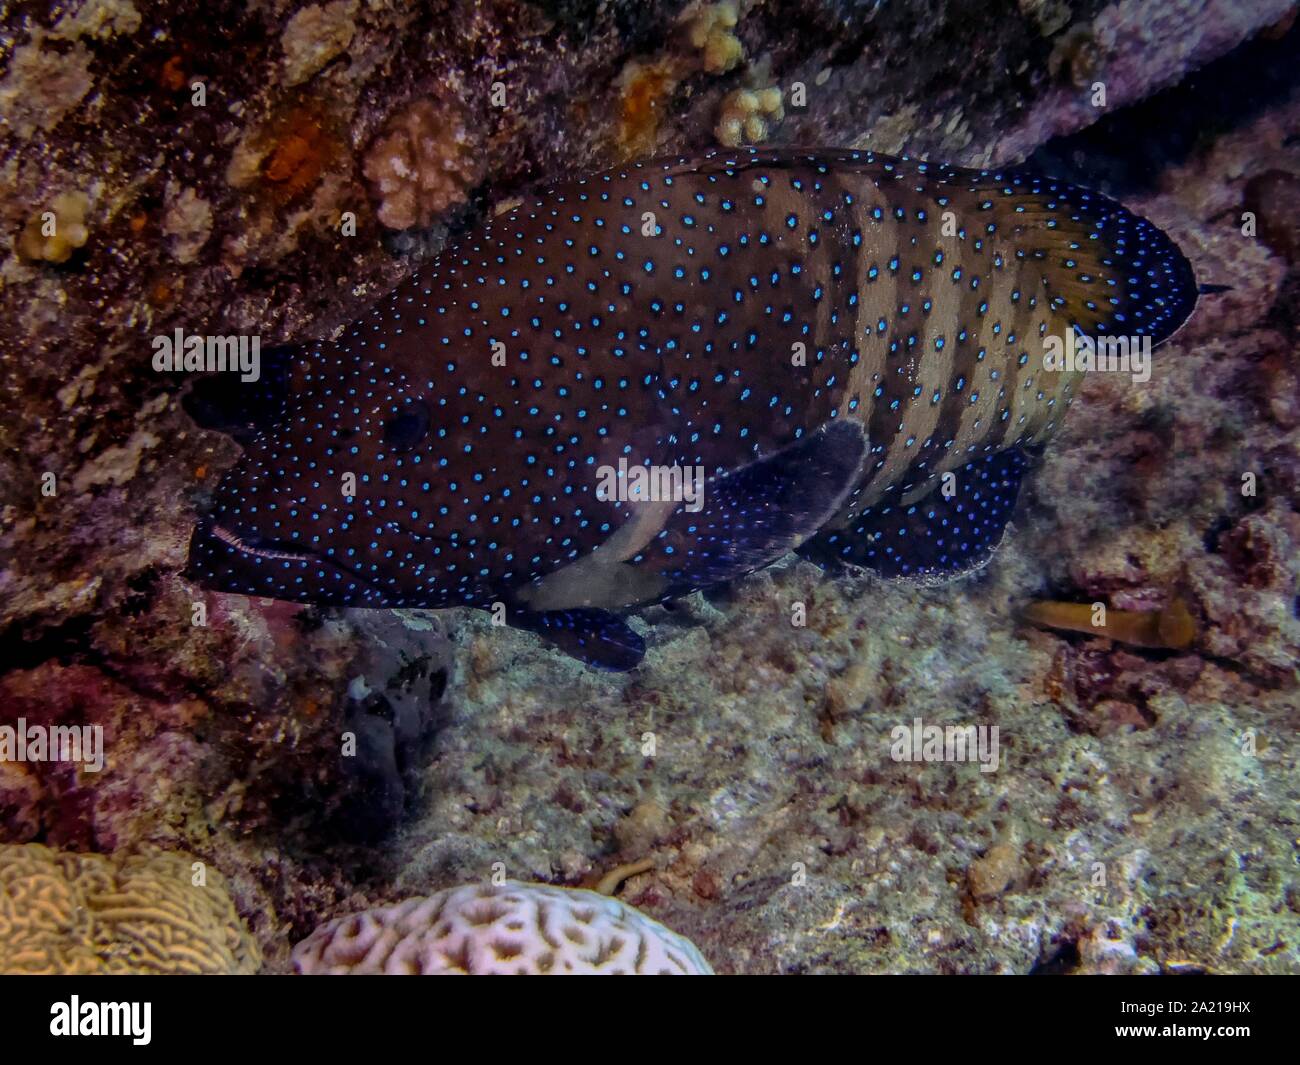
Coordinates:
(405, 430)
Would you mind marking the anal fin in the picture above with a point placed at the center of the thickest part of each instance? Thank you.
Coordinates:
(594, 636)
(941, 535)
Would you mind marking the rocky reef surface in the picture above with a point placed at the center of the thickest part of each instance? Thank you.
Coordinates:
(273, 167)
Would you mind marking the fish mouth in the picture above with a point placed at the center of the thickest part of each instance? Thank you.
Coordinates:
(285, 550)
(223, 560)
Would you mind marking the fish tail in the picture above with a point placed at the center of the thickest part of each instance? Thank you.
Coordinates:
(1108, 270)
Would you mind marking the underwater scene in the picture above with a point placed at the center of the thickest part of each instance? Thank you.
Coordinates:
(648, 487)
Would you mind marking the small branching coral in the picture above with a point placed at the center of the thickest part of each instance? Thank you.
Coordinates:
(53, 234)
(424, 162)
(711, 27)
(747, 115)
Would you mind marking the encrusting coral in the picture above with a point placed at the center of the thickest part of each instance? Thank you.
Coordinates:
(314, 36)
(512, 928)
(421, 164)
(82, 914)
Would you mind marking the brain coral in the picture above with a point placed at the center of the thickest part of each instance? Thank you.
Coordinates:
(480, 930)
(87, 913)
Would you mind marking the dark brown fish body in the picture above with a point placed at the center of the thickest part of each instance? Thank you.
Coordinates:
(824, 335)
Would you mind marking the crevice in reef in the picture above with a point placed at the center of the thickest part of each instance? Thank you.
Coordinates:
(1124, 153)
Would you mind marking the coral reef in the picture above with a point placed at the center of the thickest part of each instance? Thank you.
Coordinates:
(156, 912)
(42, 85)
(188, 221)
(510, 928)
(1143, 815)
(314, 36)
(1274, 197)
(645, 91)
(993, 873)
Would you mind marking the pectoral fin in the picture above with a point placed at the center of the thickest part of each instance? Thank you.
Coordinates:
(755, 514)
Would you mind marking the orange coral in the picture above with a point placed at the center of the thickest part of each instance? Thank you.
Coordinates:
(646, 88)
(301, 148)
(172, 75)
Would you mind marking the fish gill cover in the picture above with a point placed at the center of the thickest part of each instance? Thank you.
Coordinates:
(823, 472)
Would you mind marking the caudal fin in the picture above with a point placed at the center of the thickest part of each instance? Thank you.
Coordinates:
(1107, 270)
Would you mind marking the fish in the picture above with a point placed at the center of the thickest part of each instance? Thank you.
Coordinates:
(843, 351)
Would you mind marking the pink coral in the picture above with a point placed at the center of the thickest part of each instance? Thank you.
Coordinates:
(421, 164)
(511, 928)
